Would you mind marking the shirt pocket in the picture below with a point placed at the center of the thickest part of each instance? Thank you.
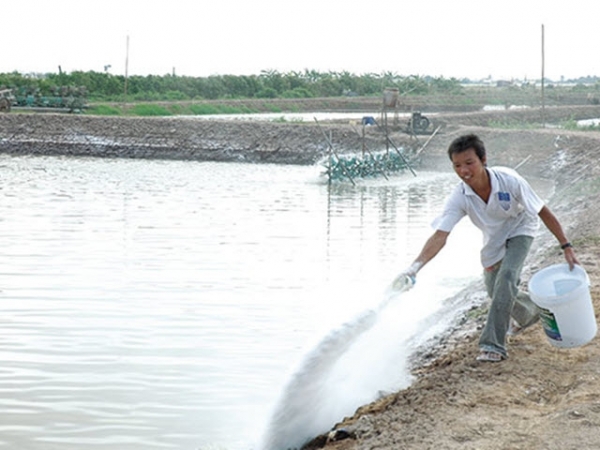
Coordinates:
(504, 205)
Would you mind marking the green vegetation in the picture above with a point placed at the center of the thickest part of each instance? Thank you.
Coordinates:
(512, 124)
(105, 93)
(144, 109)
(477, 312)
(104, 110)
(165, 109)
(572, 124)
(516, 124)
(269, 84)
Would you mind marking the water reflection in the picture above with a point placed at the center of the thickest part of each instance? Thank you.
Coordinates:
(390, 217)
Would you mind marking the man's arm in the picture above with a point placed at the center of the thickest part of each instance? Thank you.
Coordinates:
(432, 247)
(556, 229)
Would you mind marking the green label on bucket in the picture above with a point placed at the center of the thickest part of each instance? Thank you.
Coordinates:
(550, 325)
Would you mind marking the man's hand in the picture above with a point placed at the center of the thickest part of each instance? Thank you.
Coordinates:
(403, 282)
(570, 257)
(407, 278)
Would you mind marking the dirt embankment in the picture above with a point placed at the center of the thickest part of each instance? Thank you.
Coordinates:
(158, 138)
(541, 397)
(249, 141)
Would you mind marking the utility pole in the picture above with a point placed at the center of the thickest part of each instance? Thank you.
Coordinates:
(543, 76)
(126, 64)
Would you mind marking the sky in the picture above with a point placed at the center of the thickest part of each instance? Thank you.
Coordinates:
(472, 39)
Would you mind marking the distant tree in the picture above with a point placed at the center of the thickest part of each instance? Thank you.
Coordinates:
(268, 84)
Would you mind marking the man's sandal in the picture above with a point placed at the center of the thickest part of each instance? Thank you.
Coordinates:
(490, 357)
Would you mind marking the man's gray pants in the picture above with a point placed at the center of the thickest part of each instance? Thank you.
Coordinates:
(502, 284)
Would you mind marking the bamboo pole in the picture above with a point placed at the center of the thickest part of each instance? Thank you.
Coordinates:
(367, 149)
(329, 166)
(364, 145)
(334, 152)
(388, 140)
(428, 140)
(522, 162)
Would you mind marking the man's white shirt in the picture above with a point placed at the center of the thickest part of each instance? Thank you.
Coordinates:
(512, 210)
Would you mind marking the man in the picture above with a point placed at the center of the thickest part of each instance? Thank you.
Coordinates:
(506, 209)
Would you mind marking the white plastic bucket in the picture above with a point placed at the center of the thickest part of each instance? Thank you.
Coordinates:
(567, 312)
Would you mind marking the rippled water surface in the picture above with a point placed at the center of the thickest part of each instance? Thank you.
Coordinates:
(161, 304)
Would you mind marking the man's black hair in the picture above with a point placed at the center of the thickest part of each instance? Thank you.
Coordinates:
(466, 142)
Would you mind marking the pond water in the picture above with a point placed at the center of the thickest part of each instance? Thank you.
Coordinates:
(301, 116)
(589, 123)
(165, 304)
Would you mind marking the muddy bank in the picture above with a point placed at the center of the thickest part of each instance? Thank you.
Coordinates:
(175, 138)
(247, 141)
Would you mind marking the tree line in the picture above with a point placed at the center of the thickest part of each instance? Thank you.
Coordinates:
(103, 86)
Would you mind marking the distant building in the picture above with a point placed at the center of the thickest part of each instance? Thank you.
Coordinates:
(504, 83)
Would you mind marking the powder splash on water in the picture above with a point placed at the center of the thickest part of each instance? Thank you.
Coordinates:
(348, 368)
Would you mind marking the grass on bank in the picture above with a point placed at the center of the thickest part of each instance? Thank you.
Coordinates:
(516, 124)
(191, 108)
(513, 124)
(572, 124)
(166, 109)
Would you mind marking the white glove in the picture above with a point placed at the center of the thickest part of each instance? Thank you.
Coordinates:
(403, 282)
(407, 278)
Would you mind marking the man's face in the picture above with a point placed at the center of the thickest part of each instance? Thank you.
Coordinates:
(469, 167)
